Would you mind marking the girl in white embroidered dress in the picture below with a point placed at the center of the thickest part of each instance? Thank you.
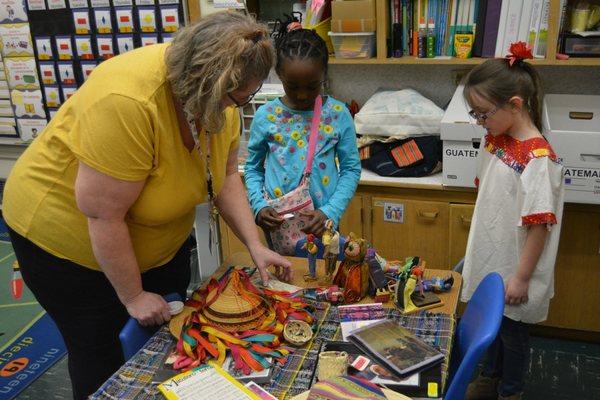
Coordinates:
(516, 222)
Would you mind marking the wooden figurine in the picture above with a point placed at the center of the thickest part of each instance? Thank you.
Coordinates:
(331, 244)
(311, 250)
(353, 273)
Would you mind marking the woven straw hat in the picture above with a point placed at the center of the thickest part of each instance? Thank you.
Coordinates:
(235, 309)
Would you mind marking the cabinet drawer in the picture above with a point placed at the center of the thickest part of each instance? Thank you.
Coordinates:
(403, 228)
(460, 223)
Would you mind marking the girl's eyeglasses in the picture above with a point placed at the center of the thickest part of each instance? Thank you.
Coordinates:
(243, 103)
(483, 116)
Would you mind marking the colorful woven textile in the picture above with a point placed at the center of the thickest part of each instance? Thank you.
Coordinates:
(134, 379)
(345, 388)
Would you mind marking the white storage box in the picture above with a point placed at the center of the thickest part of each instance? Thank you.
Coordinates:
(353, 45)
(572, 126)
(461, 137)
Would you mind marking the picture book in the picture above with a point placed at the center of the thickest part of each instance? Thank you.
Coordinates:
(395, 347)
(357, 316)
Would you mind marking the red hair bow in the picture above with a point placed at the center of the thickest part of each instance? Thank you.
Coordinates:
(519, 51)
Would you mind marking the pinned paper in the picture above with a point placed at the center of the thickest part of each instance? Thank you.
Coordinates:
(52, 112)
(52, 95)
(21, 73)
(56, 4)
(81, 18)
(144, 2)
(103, 20)
(124, 43)
(118, 3)
(12, 11)
(83, 45)
(148, 40)
(66, 73)
(28, 103)
(147, 18)
(86, 68)
(8, 127)
(68, 91)
(124, 19)
(64, 47)
(169, 16)
(167, 37)
(36, 5)
(100, 3)
(48, 73)
(43, 46)
(16, 40)
(29, 129)
(6, 109)
(105, 46)
(78, 4)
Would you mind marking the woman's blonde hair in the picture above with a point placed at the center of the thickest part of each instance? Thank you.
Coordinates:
(220, 53)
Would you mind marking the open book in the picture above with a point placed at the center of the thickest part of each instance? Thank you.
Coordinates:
(395, 347)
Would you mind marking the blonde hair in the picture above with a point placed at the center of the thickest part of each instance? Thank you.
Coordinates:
(220, 53)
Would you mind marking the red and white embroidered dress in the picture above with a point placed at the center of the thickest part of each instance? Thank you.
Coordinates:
(520, 183)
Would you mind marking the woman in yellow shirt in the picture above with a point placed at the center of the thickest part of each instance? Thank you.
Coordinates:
(101, 205)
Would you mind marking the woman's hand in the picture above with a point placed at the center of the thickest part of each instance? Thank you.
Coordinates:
(268, 219)
(263, 258)
(516, 291)
(316, 222)
(148, 309)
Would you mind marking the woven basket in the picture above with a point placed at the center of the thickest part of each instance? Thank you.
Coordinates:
(297, 333)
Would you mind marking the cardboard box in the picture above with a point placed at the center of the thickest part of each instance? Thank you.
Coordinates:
(572, 126)
(353, 16)
(461, 139)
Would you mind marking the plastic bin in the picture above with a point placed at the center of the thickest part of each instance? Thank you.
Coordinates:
(353, 45)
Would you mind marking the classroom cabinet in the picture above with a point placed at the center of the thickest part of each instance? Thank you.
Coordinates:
(460, 223)
(402, 228)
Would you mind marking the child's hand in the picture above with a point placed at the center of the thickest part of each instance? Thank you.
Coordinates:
(516, 291)
(316, 222)
(268, 219)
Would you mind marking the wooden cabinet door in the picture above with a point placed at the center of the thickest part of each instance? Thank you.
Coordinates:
(421, 229)
(352, 220)
(230, 244)
(577, 275)
(460, 223)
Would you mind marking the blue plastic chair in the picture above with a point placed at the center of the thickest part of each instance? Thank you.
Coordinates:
(475, 332)
(300, 252)
(134, 336)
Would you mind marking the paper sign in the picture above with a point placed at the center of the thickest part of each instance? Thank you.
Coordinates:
(8, 127)
(56, 4)
(52, 94)
(105, 46)
(66, 73)
(124, 43)
(147, 18)
(81, 18)
(168, 1)
(103, 20)
(12, 11)
(144, 2)
(48, 73)
(29, 129)
(78, 3)
(64, 47)
(68, 91)
(6, 109)
(83, 45)
(237, 4)
(36, 5)
(167, 37)
(52, 112)
(86, 68)
(100, 3)
(16, 40)
(21, 73)
(118, 3)
(170, 18)
(124, 19)
(43, 46)
(28, 103)
(148, 40)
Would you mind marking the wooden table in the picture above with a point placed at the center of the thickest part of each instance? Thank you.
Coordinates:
(300, 267)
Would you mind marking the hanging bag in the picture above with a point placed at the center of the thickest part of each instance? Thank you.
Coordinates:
(284, 238)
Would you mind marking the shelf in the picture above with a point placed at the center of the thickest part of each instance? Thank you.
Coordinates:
(410, 60)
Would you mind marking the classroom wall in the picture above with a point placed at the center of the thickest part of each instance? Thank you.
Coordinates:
(436, 82)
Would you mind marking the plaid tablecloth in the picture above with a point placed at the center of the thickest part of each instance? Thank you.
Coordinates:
(134, 380)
